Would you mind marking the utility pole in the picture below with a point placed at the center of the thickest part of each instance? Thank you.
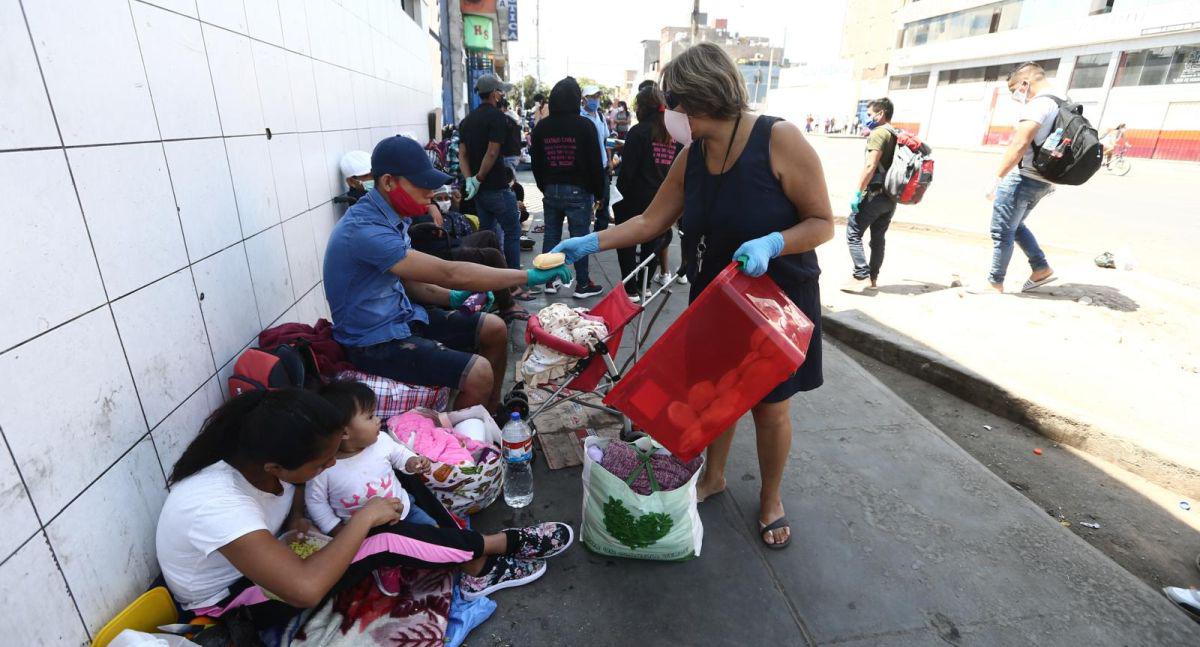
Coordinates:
(695, 20)
(537, 30)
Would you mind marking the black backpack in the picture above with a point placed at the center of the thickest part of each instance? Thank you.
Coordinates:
(1072, 153)
(513, 140)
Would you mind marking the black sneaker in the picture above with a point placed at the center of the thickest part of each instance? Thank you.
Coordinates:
(589, 290)
(542, 541)
(556, 285)
(506, 573)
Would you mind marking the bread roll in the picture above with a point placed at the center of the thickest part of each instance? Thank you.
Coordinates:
(549, 261)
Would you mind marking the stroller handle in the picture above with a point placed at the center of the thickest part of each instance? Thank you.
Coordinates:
(536, 334)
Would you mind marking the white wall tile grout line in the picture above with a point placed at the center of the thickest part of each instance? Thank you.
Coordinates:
(137, 38)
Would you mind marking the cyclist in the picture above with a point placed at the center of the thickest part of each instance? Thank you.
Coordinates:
(1110, 139)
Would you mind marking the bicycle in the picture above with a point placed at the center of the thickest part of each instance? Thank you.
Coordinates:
(1117, 163)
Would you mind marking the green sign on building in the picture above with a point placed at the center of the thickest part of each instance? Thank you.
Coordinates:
(477, 33)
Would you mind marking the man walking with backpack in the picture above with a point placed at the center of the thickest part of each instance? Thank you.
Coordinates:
(1018, 187)
(872, 208)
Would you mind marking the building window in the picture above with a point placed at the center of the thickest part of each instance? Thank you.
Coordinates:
(413, 9)
(909, 81)
(1185, 66)
(1089, 71)
(990, 73)
(988, 19)
(1159, 65)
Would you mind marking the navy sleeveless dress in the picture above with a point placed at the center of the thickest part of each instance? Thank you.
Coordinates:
(721, 213)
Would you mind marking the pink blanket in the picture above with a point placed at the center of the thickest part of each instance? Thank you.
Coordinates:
(438, 444)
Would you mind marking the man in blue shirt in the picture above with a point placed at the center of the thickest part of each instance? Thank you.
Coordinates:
(378, 286)
(591, 111)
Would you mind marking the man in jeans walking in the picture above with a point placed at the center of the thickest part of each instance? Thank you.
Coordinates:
(482, 134)
(568, 171)
(590, 109)
(871, 208)
(1017, 188)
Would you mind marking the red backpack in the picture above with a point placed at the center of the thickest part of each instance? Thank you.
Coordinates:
(284, 366)
(911, 170)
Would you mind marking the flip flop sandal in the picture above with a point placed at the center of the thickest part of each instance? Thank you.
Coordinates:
(1031, 284)
(781, 522)
(516, 314)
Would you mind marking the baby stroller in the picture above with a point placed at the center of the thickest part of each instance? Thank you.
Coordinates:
(595, 370)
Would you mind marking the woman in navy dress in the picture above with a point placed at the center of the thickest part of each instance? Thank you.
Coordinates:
(745, 185)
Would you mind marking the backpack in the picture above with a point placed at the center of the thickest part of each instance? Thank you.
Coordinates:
(513, 140)
(1072, 153)
(911, 170)
(287, 365)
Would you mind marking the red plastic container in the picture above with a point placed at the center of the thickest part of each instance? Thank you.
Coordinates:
(739, 340)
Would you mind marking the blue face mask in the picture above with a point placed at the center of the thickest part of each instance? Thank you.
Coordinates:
(368, 185)
(871, 123)
(593, 105)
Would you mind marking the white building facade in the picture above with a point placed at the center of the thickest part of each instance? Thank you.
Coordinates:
(1135, 62)
(167, 169)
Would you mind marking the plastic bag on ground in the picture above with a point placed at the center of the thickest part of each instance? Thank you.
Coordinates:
(131, 638)
(617, 521)
(465, 616)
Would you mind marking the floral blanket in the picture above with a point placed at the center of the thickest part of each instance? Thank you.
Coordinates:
(361, 615)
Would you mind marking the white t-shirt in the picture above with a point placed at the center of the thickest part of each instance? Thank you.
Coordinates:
(1043, 110)
(207, 511)
(337, 492)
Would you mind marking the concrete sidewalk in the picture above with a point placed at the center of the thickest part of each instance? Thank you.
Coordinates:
(899, 538)
(1101, 359)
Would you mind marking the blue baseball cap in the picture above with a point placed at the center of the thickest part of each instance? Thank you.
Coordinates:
(404, 157)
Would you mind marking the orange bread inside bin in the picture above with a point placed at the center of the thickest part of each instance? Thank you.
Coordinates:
(739, 340)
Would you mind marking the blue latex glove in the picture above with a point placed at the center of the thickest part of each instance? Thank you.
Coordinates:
(472, 187)
(855, 202)
(535, 276)
(577, 248)
(754, 255)
(457, 297)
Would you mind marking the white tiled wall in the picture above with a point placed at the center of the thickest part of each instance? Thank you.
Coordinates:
(149, 230)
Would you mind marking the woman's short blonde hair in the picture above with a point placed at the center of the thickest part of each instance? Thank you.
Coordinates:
(707, 82)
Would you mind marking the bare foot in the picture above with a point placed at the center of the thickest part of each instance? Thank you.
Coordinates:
(1038, 276)
(769, 512)
(709, 485)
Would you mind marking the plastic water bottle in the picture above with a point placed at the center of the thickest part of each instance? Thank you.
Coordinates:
(518, 461)
(1052, 141)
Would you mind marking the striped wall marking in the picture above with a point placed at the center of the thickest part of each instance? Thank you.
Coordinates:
(1181, 145)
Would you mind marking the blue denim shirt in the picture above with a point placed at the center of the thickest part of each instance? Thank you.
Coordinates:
(367, 301)
(601, 132)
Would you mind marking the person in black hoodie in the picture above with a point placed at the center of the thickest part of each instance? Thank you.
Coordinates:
(649, 152)
(567, 169)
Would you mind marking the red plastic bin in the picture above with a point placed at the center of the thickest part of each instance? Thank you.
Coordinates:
(740, 339)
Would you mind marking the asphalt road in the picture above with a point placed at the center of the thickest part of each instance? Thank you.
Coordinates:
(1152, 211)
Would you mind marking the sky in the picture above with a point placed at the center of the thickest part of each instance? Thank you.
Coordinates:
(602, 38)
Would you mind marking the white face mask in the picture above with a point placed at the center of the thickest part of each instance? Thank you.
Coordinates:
(1021, 96)
(678, 126)
(443, 205)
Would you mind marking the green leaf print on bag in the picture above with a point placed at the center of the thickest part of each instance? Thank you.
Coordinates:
(634, 532)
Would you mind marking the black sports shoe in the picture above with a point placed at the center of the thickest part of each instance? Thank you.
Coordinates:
(589, 290)
(542, 541)
(506, 572)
